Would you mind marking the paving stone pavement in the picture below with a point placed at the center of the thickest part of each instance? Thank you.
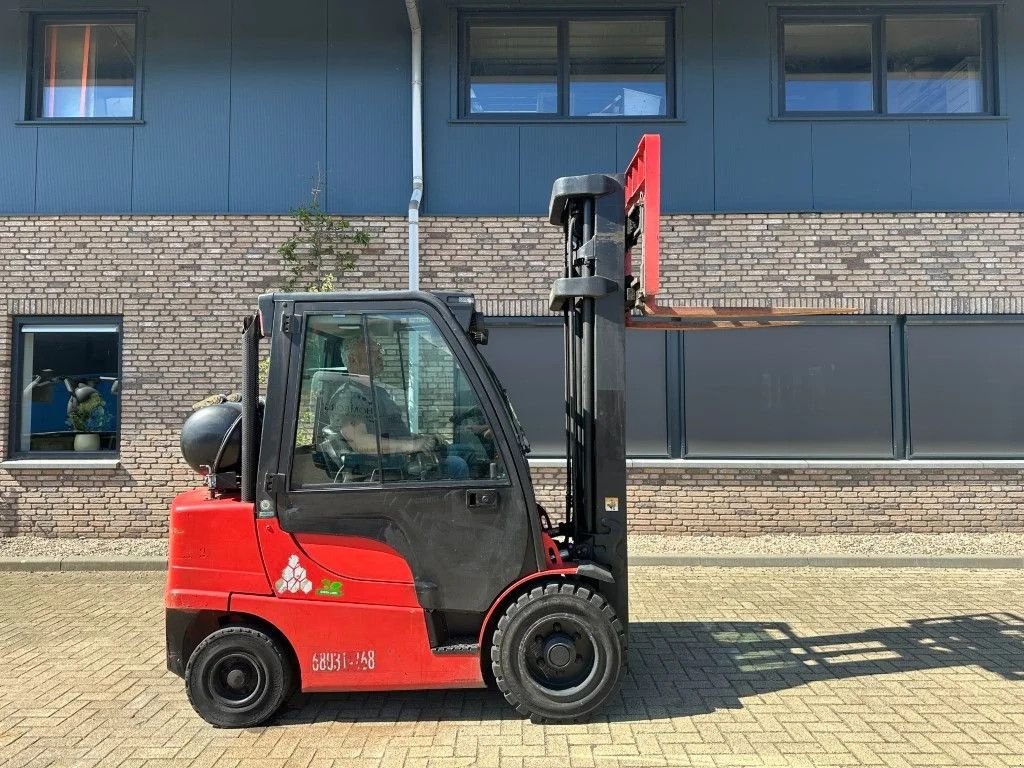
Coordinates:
(729, 667)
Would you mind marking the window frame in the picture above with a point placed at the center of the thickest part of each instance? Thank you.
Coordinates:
(17, 370)
(35, 51)
(560, 19)
(876, 17)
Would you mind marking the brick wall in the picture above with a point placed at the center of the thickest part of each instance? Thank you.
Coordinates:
(181, 283)
(920, 263)
(751, 502)
(928, 263)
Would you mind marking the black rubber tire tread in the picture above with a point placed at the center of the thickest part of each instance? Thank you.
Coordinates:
(280, 677)
(519, 697)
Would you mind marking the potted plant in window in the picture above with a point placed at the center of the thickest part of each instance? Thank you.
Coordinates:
(87, 416)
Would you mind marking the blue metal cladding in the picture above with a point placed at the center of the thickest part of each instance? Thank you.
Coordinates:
(369, 155)
(727, 153)
(469, 168)
(84, 169)
(1011, 60)
(856, 162)
(244, 102)
(563, 150)
(959, 166)
(759, 165)
(17, 143)
(180, 157)
(278, 103)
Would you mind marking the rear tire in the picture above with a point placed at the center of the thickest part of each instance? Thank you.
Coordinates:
(238, 677)
(558, 652)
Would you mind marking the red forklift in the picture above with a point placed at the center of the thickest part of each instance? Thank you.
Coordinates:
(370, 524)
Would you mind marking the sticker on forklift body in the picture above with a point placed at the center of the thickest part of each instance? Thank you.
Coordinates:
(330, 661)
(611, 503)
(293, 578)
(329, 588)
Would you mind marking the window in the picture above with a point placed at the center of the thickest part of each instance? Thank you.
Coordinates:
(812, 391)
(964, 384)
(560, 65)
(933, 65)
(384, 399)
(617, 68)
(529, 359)
(513, 69)
(828, 67)
(894, 63)
(66, 387)
(85, 68)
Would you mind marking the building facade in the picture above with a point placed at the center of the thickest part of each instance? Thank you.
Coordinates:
(815, 153)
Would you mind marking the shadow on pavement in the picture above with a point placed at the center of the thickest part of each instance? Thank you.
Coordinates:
(687, 668)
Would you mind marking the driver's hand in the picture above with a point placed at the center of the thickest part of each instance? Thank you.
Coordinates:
(428, 443)
(481, 430)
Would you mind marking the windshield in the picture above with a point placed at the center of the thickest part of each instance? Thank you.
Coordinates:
(524, 442)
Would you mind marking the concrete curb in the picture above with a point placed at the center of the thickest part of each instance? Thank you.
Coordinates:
(143, 564)
(37, 564)
(831, 561)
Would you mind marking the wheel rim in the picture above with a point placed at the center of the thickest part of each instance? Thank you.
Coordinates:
(559, 654)
(236, 680)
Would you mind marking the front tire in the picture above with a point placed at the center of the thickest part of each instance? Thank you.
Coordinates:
(558, 652)
(238, 677)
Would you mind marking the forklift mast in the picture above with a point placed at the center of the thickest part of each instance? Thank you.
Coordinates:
(611, 281)
(591, 297)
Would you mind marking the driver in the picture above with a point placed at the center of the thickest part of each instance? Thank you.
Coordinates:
(354, 414)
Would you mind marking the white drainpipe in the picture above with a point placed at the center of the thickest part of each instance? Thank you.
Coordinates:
(417, 144)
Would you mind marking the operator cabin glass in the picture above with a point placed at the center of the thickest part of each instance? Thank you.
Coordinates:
(69, 388)
(383, 399)
(513, 69)
(419, 374)
(617, 68)
(934, 65)
(87, 71)
(828, 67)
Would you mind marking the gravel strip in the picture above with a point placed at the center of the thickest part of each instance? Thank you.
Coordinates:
(886, 544)
(889, 544)
(38, 547)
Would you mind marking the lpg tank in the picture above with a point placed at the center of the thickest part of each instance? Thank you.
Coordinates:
(212, 437)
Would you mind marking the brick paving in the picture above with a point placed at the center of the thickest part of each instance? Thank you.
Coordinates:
(729, 667)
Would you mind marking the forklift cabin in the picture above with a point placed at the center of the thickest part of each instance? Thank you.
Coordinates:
(443, 482)
(372, 525)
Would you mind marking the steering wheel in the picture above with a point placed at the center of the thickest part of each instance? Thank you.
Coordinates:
(330, 445)
(335, 447)
(424, 464)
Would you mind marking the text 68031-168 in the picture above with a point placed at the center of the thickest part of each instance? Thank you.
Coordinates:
(343, 661)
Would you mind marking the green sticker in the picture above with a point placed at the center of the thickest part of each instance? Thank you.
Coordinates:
(329, 588)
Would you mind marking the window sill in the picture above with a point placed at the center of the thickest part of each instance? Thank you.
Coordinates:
(73, 121)
(509, 120)
(829, 118)
(60, 464)
(835, 464)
